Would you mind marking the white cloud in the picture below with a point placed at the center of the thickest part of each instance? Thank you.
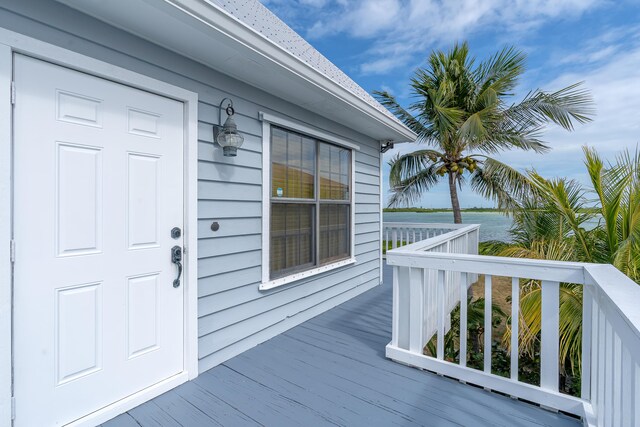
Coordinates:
(402, 28)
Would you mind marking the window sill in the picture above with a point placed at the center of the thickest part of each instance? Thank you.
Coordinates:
(304, 274)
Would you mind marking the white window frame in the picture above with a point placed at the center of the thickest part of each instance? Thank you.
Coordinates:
(268, 120)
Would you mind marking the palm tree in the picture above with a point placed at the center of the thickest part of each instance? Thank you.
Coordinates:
(559, 221)
(463, 115)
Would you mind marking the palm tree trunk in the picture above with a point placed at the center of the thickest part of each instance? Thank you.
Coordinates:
(453, 192)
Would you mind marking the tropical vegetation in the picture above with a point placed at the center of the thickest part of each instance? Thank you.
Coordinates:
(463, 113)
(561, 219)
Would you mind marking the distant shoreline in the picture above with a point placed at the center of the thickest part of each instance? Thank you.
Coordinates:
(432, 210)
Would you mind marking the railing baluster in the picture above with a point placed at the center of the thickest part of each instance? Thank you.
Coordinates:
(416, 310)
(587, 319)
(487, 323)
(515, 326)
(386, 239)
(608, 375)
(463, 319)
(626, 391)
(595, 351)
(635, 399)
(549, 341)
(617, 379)
(601, 363)
(441, 315)
(394, 236)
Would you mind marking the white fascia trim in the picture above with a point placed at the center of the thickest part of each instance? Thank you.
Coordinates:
(6, 267)
(306, 129)
(242, 33)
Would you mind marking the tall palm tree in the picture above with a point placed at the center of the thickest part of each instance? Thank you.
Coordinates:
(463, 114)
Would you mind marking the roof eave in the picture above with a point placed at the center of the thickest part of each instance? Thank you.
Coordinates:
(198, 13)
(271, 50)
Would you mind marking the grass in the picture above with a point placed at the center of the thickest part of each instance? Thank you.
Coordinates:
(387, 245)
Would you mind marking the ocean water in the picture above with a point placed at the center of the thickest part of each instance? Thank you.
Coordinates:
(493, 225)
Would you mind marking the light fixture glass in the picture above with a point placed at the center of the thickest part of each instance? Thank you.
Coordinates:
(227, 135)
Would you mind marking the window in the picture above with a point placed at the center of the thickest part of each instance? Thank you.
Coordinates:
(310, 203)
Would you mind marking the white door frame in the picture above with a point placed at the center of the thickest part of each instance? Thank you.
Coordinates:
(11, 43)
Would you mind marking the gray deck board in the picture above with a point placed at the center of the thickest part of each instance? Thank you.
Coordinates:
(331, 370)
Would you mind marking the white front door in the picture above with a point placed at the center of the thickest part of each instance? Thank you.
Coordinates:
(98, 187)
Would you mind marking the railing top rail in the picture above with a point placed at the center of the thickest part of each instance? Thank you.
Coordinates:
(498, 266)
(425, 225)
(432, 242)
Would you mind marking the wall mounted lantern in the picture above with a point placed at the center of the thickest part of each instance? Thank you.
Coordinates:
(385, 146)
(227, 135)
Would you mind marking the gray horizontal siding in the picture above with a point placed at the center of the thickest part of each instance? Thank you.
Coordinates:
(234, 315)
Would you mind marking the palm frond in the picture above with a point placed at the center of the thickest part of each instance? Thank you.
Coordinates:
(390, 102)
(500, 73)
(563, 107)
(411, 175)
(501, 183)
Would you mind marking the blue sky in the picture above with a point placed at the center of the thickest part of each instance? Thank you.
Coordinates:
(380, 43)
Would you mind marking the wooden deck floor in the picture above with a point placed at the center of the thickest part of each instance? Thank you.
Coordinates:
(332, 370)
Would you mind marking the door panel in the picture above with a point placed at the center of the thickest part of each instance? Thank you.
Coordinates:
(98, 188)
(79, 210)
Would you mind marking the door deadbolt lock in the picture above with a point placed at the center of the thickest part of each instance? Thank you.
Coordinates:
(176, 233)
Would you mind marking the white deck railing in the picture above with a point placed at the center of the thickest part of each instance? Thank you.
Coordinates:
(398, 234)
(610, 392)
(445, 238)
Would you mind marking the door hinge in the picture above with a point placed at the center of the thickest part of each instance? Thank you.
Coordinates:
(13, 408)
(12, 250)
(13, 93)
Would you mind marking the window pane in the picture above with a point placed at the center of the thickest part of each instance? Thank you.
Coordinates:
(291, 238)
(334, 232)
(292, 165)
(308, 168)
(278, 160)
(335, 169)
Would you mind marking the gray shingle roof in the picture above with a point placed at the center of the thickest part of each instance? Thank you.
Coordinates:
(255, 15)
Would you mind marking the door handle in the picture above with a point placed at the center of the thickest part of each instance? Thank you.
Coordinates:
(176, 258)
